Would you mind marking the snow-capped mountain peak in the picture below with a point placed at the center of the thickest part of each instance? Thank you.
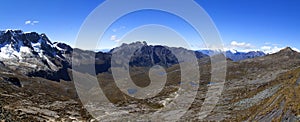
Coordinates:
(233, 51)
(29, 49)
(16, 44)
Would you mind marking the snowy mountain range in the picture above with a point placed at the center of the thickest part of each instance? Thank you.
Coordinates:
(30, 53)
(234, 54)
(34, 54)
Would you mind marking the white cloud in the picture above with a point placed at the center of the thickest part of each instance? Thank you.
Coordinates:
(240, 44)
(118, 40)
(270, 49)
(266, 47)
(36, 22)
(29, 22)
(296, 49)
(274, 49)
(113, 38)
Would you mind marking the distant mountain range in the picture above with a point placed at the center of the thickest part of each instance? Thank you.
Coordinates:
(34, 54)
(235, 55)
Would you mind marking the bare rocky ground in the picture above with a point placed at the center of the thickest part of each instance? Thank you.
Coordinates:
(259, 89)
(38, 100)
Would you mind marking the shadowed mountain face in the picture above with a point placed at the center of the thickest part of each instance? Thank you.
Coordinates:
(143, 55)
(257, 88)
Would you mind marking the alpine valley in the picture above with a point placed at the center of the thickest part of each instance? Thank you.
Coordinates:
(36, 82)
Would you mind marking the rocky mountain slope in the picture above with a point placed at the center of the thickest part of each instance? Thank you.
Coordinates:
(261, 89)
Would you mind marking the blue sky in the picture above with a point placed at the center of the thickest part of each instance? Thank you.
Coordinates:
(267, 25)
